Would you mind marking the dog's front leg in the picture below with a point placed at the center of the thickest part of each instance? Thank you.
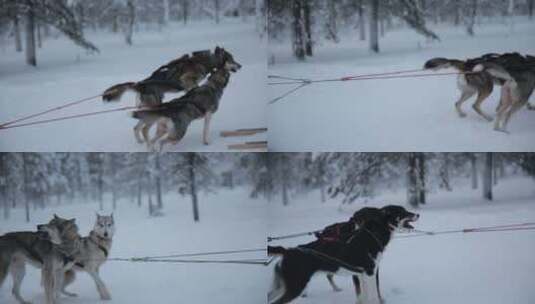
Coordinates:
(206, 130)
(101, 287)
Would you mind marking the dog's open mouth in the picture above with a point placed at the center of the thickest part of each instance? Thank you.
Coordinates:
(407, 223)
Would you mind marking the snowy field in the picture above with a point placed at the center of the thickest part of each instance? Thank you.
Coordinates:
(229, 221)
(394, 114)
(66, 73)
(478, 268)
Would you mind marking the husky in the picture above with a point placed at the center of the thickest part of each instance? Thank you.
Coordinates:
(359, 256)
(50, 248)
(475, 80)
(341, 232)
(93, 253)
(469, 84)
(174, 117)
(182, 74)
(519, 83)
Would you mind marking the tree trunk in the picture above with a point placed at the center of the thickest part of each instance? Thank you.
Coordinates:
(487, 176)
(471, 18)
(185, 11)
(39, 40)
(284, 192)
(412, 181)
(25, 186)
(100, 185)
(3, 185)
(158, 182)
(131, 21)
(298, 30)
(166, 11)
(332, 27)
(193, 185)
(322, 192)
(308, 28)
(456, 12)
(139, 192)
(217, 10)
(374, 26)
(362, 22)
(16, 33)
(530, 8)
(30, 37)
(473, 162)
(421, 178)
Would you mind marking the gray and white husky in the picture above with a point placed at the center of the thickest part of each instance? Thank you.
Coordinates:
(93, 253)
(51, 249)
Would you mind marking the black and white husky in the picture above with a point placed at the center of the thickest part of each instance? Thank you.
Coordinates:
(93, 253)
(359, 256)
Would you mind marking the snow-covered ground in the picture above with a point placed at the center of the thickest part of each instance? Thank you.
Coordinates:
(478, 268)
(229, 221)
(66, 73)
(394, 114)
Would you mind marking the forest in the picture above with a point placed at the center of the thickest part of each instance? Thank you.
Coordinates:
(307, 24)
(39, 180)
(29, 23)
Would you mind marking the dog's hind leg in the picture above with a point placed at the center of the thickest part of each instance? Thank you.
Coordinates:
(70, 276)
(18, 271)
(512, 110)
(483, 94)
(466, 93)
(505, 103)
(335, 287)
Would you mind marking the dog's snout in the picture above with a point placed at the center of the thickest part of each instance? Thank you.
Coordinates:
(40, 227)
(416, 216)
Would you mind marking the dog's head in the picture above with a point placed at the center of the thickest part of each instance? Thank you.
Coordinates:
(51, 231)
(104, 226)
(226, 60)
(398, 218)
(66, 228)
(365, 215)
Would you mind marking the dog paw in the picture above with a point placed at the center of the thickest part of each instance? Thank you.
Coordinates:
(462, 114)
(70, 294)
(206, 142)
(337, 289)
(501, 130)
(105, 297)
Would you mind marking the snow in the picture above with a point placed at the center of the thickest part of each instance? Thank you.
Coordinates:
(477, 268)
(394, 114)
(66, 73)
(229, 221)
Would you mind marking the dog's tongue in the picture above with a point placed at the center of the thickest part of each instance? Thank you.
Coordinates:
(408, 225)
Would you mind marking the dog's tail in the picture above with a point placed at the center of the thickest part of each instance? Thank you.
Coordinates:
(440, 63)
(276, 250)
(115, 92)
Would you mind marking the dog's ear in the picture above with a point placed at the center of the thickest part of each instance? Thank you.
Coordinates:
(72, 221)
(56, 217)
